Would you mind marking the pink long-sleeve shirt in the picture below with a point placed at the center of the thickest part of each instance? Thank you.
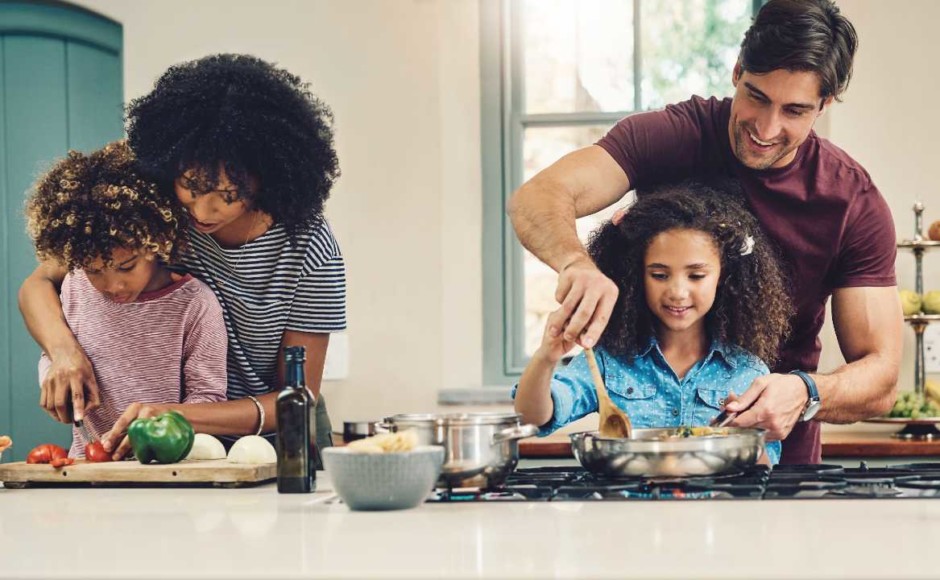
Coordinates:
(169, 346)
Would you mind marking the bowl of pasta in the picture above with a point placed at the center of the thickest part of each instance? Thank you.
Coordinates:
(385, 472)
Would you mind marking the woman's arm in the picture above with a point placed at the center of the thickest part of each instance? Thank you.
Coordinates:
(71, 376)
(229, 417)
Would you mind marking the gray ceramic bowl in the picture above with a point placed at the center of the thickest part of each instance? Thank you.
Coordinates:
(383, 481)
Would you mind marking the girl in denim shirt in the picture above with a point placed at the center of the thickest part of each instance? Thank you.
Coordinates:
(702, 310)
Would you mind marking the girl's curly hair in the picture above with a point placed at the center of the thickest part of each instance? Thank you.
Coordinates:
(752, 309)
(242, 114)
(86, 206)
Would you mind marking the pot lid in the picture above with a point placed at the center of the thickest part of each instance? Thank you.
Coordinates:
(486, 418)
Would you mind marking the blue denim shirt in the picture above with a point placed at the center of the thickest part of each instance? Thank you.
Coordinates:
(650, 391)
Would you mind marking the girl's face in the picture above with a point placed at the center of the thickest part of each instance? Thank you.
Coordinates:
(682, 269)
(132, 273)
(213, 210)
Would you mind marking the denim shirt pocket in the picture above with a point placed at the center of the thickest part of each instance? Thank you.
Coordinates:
(637, 399)
(708, 403)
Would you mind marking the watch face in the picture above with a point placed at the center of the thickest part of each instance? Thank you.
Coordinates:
(811, 409)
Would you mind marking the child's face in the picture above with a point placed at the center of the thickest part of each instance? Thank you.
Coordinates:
(211, 211)
(682, 268)
(132, 273)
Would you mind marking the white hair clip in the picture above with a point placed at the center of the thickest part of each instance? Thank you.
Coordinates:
(747, 246)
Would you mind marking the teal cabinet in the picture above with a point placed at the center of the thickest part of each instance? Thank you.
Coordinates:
(60, 89)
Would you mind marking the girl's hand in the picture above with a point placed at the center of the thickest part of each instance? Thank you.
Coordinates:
(70, 388)
(554, 345)
(119, 431)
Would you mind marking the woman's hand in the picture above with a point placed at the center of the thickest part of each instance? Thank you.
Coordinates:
(554, 344)
(69, 389)
(119, 431)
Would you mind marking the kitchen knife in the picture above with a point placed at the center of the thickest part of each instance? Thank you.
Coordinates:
(86, 434)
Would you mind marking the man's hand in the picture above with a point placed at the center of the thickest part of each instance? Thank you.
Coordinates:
(69, 389)
(119, 431)
(772, 402)
(587, 298)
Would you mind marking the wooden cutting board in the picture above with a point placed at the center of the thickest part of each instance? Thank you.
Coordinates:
(216, 472)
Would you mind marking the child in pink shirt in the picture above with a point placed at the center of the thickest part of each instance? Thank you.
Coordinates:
(150, 339)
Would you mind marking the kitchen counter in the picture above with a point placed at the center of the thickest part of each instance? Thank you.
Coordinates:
(835, 443)
(182, 533)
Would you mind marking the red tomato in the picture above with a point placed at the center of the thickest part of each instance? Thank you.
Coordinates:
(61, 461)
(95, 452)
(45, 453)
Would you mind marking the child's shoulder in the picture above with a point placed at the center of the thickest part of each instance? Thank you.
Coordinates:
(744, 359)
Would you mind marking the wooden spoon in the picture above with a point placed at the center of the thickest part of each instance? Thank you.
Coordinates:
(614, 422)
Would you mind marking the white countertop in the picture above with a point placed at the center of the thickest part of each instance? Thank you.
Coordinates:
(258, 533)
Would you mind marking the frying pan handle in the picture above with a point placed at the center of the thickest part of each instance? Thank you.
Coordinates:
(515, 432)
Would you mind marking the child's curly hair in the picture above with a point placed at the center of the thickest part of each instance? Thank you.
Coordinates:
(86, 206)
(752, 308)
(242, 114)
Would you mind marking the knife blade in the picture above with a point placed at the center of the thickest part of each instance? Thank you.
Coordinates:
(87, 436)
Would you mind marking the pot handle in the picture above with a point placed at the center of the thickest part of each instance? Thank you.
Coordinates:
(383, 426)
(515, 432)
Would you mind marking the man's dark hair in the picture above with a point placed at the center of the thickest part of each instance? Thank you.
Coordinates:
(249, 117)
(802, 35)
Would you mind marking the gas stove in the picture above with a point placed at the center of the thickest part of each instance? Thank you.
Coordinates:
(903, 481)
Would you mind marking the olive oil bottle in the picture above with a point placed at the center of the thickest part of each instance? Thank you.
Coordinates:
(296, 428)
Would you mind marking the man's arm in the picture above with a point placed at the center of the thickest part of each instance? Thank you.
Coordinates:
(868, 324)
(543, 213)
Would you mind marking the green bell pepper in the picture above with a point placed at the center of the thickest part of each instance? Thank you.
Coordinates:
(166, 438)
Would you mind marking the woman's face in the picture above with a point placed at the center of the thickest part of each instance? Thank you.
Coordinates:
(130, 274)
(682, 269)
(210, 211)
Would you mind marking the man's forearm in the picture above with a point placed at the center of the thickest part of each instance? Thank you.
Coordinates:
(543, 215)
(858, 390)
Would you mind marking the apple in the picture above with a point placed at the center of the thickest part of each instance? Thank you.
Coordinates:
(910, 302)
(932, 302)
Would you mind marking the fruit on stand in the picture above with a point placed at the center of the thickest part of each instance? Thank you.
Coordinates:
(931, 302)
(910, 405)
(934, 232)
(910, 302)
(166, 438)
(932, 390)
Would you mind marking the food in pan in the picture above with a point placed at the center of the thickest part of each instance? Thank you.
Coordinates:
(685, 432)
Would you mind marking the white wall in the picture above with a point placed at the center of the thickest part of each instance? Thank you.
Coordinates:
(402, 77)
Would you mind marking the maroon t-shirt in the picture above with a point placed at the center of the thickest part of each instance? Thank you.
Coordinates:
(823, 211)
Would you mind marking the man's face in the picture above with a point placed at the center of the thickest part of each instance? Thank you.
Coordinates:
(772, 114)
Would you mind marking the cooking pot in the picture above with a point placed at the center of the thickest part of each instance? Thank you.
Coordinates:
(666, 453)
(480, 449)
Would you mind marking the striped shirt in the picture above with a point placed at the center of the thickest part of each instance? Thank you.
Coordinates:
(166, 347)
(267, 287)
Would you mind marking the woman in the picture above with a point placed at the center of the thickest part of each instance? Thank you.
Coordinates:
(248, 152)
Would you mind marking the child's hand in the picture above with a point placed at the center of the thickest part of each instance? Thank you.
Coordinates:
(554, 346)
(116, 440)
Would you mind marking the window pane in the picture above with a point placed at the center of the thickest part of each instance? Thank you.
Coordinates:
(542, 147)
(689, 47)
(578, 55)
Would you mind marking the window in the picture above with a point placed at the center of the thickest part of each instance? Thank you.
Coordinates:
(556, 75)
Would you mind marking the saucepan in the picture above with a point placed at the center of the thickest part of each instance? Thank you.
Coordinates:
(669, 452)
(480, 449)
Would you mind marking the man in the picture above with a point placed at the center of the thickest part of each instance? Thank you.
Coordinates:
(817, 203)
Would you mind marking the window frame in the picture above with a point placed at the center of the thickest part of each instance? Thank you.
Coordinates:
(503, 125)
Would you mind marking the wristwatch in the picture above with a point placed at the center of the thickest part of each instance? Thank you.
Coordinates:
(813, 404)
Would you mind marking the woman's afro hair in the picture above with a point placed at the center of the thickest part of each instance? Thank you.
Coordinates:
(244, 115)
